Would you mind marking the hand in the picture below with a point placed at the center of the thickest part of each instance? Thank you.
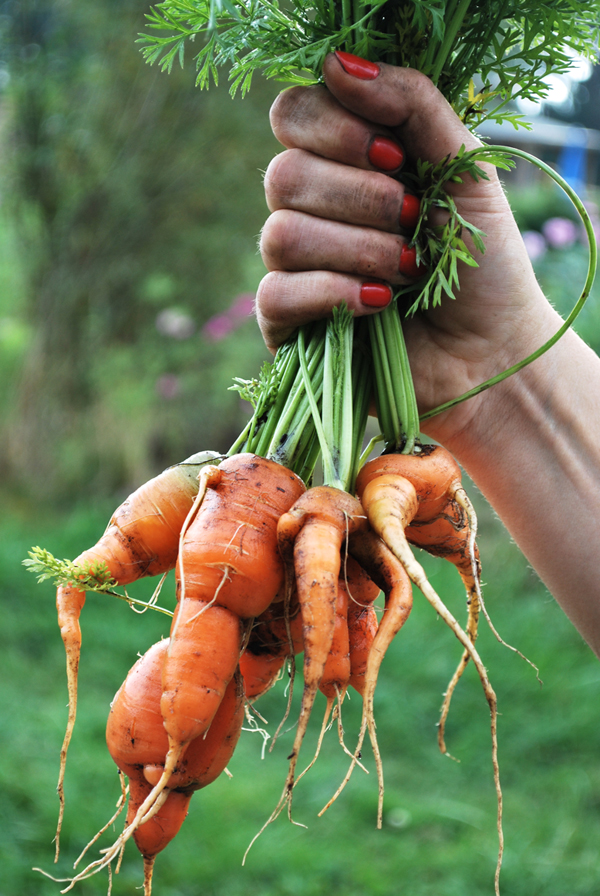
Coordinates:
(335, 225)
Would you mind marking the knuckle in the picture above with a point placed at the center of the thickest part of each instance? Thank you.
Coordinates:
(269, 309)
(291, 107)
(277, 240)
(379, 199)
(281, 178)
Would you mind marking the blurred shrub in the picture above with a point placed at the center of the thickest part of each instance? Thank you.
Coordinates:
(134, 200)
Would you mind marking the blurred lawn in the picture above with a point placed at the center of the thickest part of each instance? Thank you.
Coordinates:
(439, 834)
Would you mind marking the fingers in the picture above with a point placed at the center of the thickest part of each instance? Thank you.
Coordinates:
(312, 119)
(305, 182)
(285, 301)
(293, 241)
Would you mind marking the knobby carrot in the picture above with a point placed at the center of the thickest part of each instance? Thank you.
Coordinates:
(141, 539)
(389, 575)
(228, 571)
(138, 744)
(444, 524)
(390, 502)
(273, 639)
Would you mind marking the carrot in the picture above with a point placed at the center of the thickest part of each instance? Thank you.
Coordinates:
(138, 743)
(141, 539)
(336, 672)
(155, 834)
(389, 575)
(390, 502)
(228, 571)
(445, 525)
(362, 621)
(136, 736)
(310, 538)
(272, 640)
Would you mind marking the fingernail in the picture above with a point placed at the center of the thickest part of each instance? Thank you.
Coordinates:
(385, 154)
(375, 295)
(408, 262)
(409, 211)
(357, 66)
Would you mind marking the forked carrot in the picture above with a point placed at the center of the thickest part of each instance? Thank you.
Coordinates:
(389, 575)
(390, 502)
(141, 539)
(310, 537)
(228, 571)
(445, 525)
(311, 534)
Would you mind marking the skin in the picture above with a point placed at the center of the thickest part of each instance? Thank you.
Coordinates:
(532, 443)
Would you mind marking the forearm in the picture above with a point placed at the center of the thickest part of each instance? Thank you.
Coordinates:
(533, 449)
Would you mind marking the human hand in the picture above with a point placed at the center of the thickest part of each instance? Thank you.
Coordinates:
(335, 225)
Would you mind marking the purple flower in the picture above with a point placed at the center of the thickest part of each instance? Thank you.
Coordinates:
(560, 233)
(218, 327)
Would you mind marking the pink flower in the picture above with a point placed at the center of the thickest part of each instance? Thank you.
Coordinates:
(218, 327)
(560, 233)
(221, 325)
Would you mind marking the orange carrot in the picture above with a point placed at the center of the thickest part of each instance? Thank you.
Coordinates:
(228, 571)
(362, 621)
(389, 575)
(138, 744)
(390, 502)
(310, 537)
(155, 834)
(445, 525)
(336, 673)
(141, 539)
(272, 640)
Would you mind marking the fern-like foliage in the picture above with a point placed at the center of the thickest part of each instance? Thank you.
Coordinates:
(509, 46)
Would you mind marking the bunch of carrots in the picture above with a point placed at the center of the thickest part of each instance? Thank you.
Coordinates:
(268, 563)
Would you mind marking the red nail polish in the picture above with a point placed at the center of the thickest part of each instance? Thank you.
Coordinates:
(357, 67)
(408, 262)
(409, 212)
(375, 295)
(385, 154)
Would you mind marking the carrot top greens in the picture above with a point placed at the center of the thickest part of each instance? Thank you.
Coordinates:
(508, 45)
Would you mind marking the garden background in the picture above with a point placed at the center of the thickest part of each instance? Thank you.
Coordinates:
(130, 208)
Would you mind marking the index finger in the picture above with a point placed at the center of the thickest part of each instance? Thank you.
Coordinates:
(310, 118)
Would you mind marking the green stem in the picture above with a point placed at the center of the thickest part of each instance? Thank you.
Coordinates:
(328, 465)
(394, 387)
(452, 29)
(591, 273)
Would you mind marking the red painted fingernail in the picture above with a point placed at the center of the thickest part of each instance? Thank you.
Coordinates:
(408, 262)
(357, 66)
(409, 212)
(375, 295)
(385, 154)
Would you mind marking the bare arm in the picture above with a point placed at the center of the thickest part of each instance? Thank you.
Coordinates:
(532, 443)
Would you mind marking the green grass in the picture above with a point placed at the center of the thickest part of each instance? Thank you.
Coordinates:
(439, 823)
